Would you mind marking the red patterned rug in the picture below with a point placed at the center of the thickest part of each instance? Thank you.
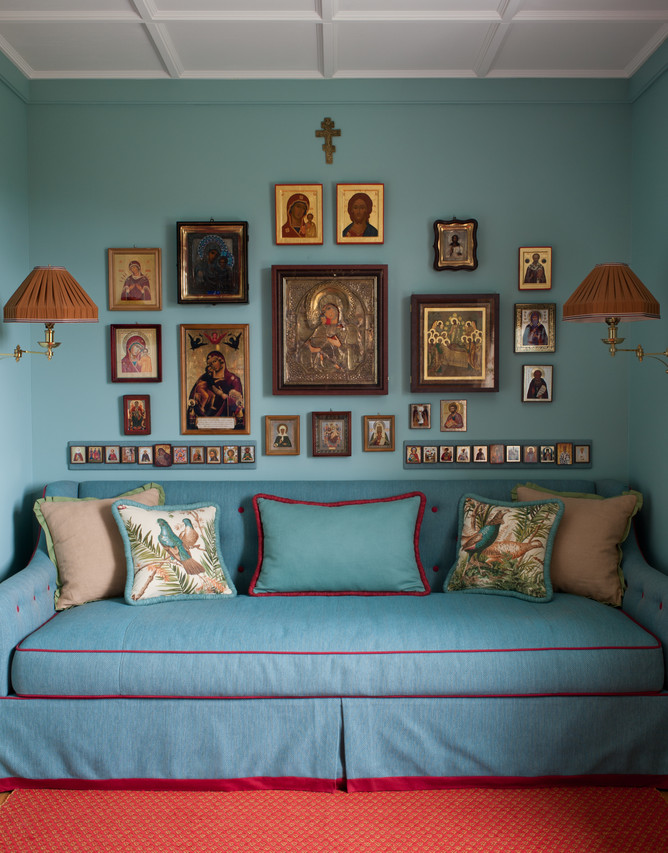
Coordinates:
(542, 820)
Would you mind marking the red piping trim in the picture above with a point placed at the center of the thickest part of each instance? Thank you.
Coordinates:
(250, 783)
(411, 783)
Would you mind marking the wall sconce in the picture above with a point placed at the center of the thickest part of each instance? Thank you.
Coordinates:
(609, 294)
(49, 295)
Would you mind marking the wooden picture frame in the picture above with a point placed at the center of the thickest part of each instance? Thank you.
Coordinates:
(535, 327)
(535, 268)
(163, 456)
(136, 414)
(215, 379)
(281, 435)
(77, 454)
(212, 260)
(298, 214)
(112, 454)
(378, 432)
(136, 353)
(453, 416)
(329, 329)
(330, 433)
(128, 455)
(145, 454)
(537, 383)
(455, 342)
(564, 453)
(135, 279)
(456, 244)
(419, 415)
(360, 216)
(179, 454)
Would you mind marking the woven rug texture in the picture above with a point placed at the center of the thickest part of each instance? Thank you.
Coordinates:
(532, 820)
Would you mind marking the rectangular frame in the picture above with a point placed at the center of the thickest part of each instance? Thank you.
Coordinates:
(215, 396)
(455, 342)
(360, 216)
(212, 262)
(419, 415)
(535, 335)
(329, 329)
(330, 433)
(135, 279)
(537, 389)
(453, 416)
(379, 432)
(136, 353)
(535, 268)
(455, 244)
(298, 214)
(281, 435)
(136, 414)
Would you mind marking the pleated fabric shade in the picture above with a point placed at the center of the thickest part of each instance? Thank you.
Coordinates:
(611, 290)
(50, 295)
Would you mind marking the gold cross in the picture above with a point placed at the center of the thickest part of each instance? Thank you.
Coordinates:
(327, 133)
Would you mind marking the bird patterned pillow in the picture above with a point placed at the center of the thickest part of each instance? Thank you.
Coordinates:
(505, 548)
(171, 553)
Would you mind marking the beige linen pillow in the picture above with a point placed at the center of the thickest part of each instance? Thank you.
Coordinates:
(86, 546)
(586, 558)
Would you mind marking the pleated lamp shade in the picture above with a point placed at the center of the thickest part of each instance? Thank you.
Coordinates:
(50, 295)
(611, 290)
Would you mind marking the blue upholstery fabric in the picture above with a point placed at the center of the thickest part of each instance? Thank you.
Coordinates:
(441, 644)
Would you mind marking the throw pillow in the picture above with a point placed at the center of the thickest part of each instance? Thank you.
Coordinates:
(367, 547)
(83, 542)
(587, 553)
(172, 553)
(505, 547)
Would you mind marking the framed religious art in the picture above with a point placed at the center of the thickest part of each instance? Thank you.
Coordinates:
(537, 383)
(453, 415)
(212, 262)
(136, 353)
(298, 214)
(215, 376)
(360, 213)
(454, 342)
(281, 435)
(378, 432)
(135, 279)
(455, 244)
(535, 268)
(330, 432)
(329, 329)
(535, 327)
(136, 414)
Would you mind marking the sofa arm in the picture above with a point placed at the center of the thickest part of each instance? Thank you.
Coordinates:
(646, 596)
(26, 602)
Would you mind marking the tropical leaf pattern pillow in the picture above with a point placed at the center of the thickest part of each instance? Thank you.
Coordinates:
(171, 553)
(505, 548)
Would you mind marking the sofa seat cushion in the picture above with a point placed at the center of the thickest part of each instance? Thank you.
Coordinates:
(437, 645)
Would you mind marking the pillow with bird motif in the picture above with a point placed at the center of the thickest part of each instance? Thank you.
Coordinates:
(505, 547)
(172, 553)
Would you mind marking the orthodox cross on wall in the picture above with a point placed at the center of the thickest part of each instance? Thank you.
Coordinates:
(327, 132)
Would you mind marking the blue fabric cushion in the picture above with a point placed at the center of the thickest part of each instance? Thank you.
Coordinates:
(348, 547)
(171, 552)
(505, 547)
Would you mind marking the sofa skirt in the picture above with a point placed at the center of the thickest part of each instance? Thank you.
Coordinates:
(328, 744)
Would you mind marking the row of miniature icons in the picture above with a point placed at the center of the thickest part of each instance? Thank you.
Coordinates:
(561, 453)
(161, 455)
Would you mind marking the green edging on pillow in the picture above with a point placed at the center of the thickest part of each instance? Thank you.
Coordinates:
(168, 559)
(594, 581)
(505, 548)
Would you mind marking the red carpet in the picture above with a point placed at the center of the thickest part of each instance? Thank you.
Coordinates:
(553, 820)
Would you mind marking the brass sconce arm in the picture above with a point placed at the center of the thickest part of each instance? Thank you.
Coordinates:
(49, 345)
(612, 342)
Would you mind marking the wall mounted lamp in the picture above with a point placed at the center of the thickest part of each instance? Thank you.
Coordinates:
(609, 294)
(48, 295)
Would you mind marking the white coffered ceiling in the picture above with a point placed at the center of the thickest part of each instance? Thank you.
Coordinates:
(311, 39)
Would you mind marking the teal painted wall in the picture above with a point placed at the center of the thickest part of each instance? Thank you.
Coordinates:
(15, 379)
(534, 165)
(648, 398)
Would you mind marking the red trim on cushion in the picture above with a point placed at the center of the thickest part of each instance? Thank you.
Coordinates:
(413, 783)
(416, 542)
(250, 783)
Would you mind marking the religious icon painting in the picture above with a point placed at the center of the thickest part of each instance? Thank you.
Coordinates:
(77, 454)
(135, 282)
(331, 433)
(145, 454)
(453, 415)
(162, 455)
(179, 454)
(94, 454)
(420, 416)
(230, 454)
(197, 456)
(215, 380)
(360, 213)
(378, 432)
(582, 453)
(535, 327)
(298, 214)
(446, 453)
(281, 435)
(137, 414)
(112, 454)
(212, 262)
(537, 383)
(128, 455)
(413, 454)
(455, 244)
(247, 453)
(136, 353)
(535, 268)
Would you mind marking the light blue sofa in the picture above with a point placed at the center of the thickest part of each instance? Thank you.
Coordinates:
(319, 693)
